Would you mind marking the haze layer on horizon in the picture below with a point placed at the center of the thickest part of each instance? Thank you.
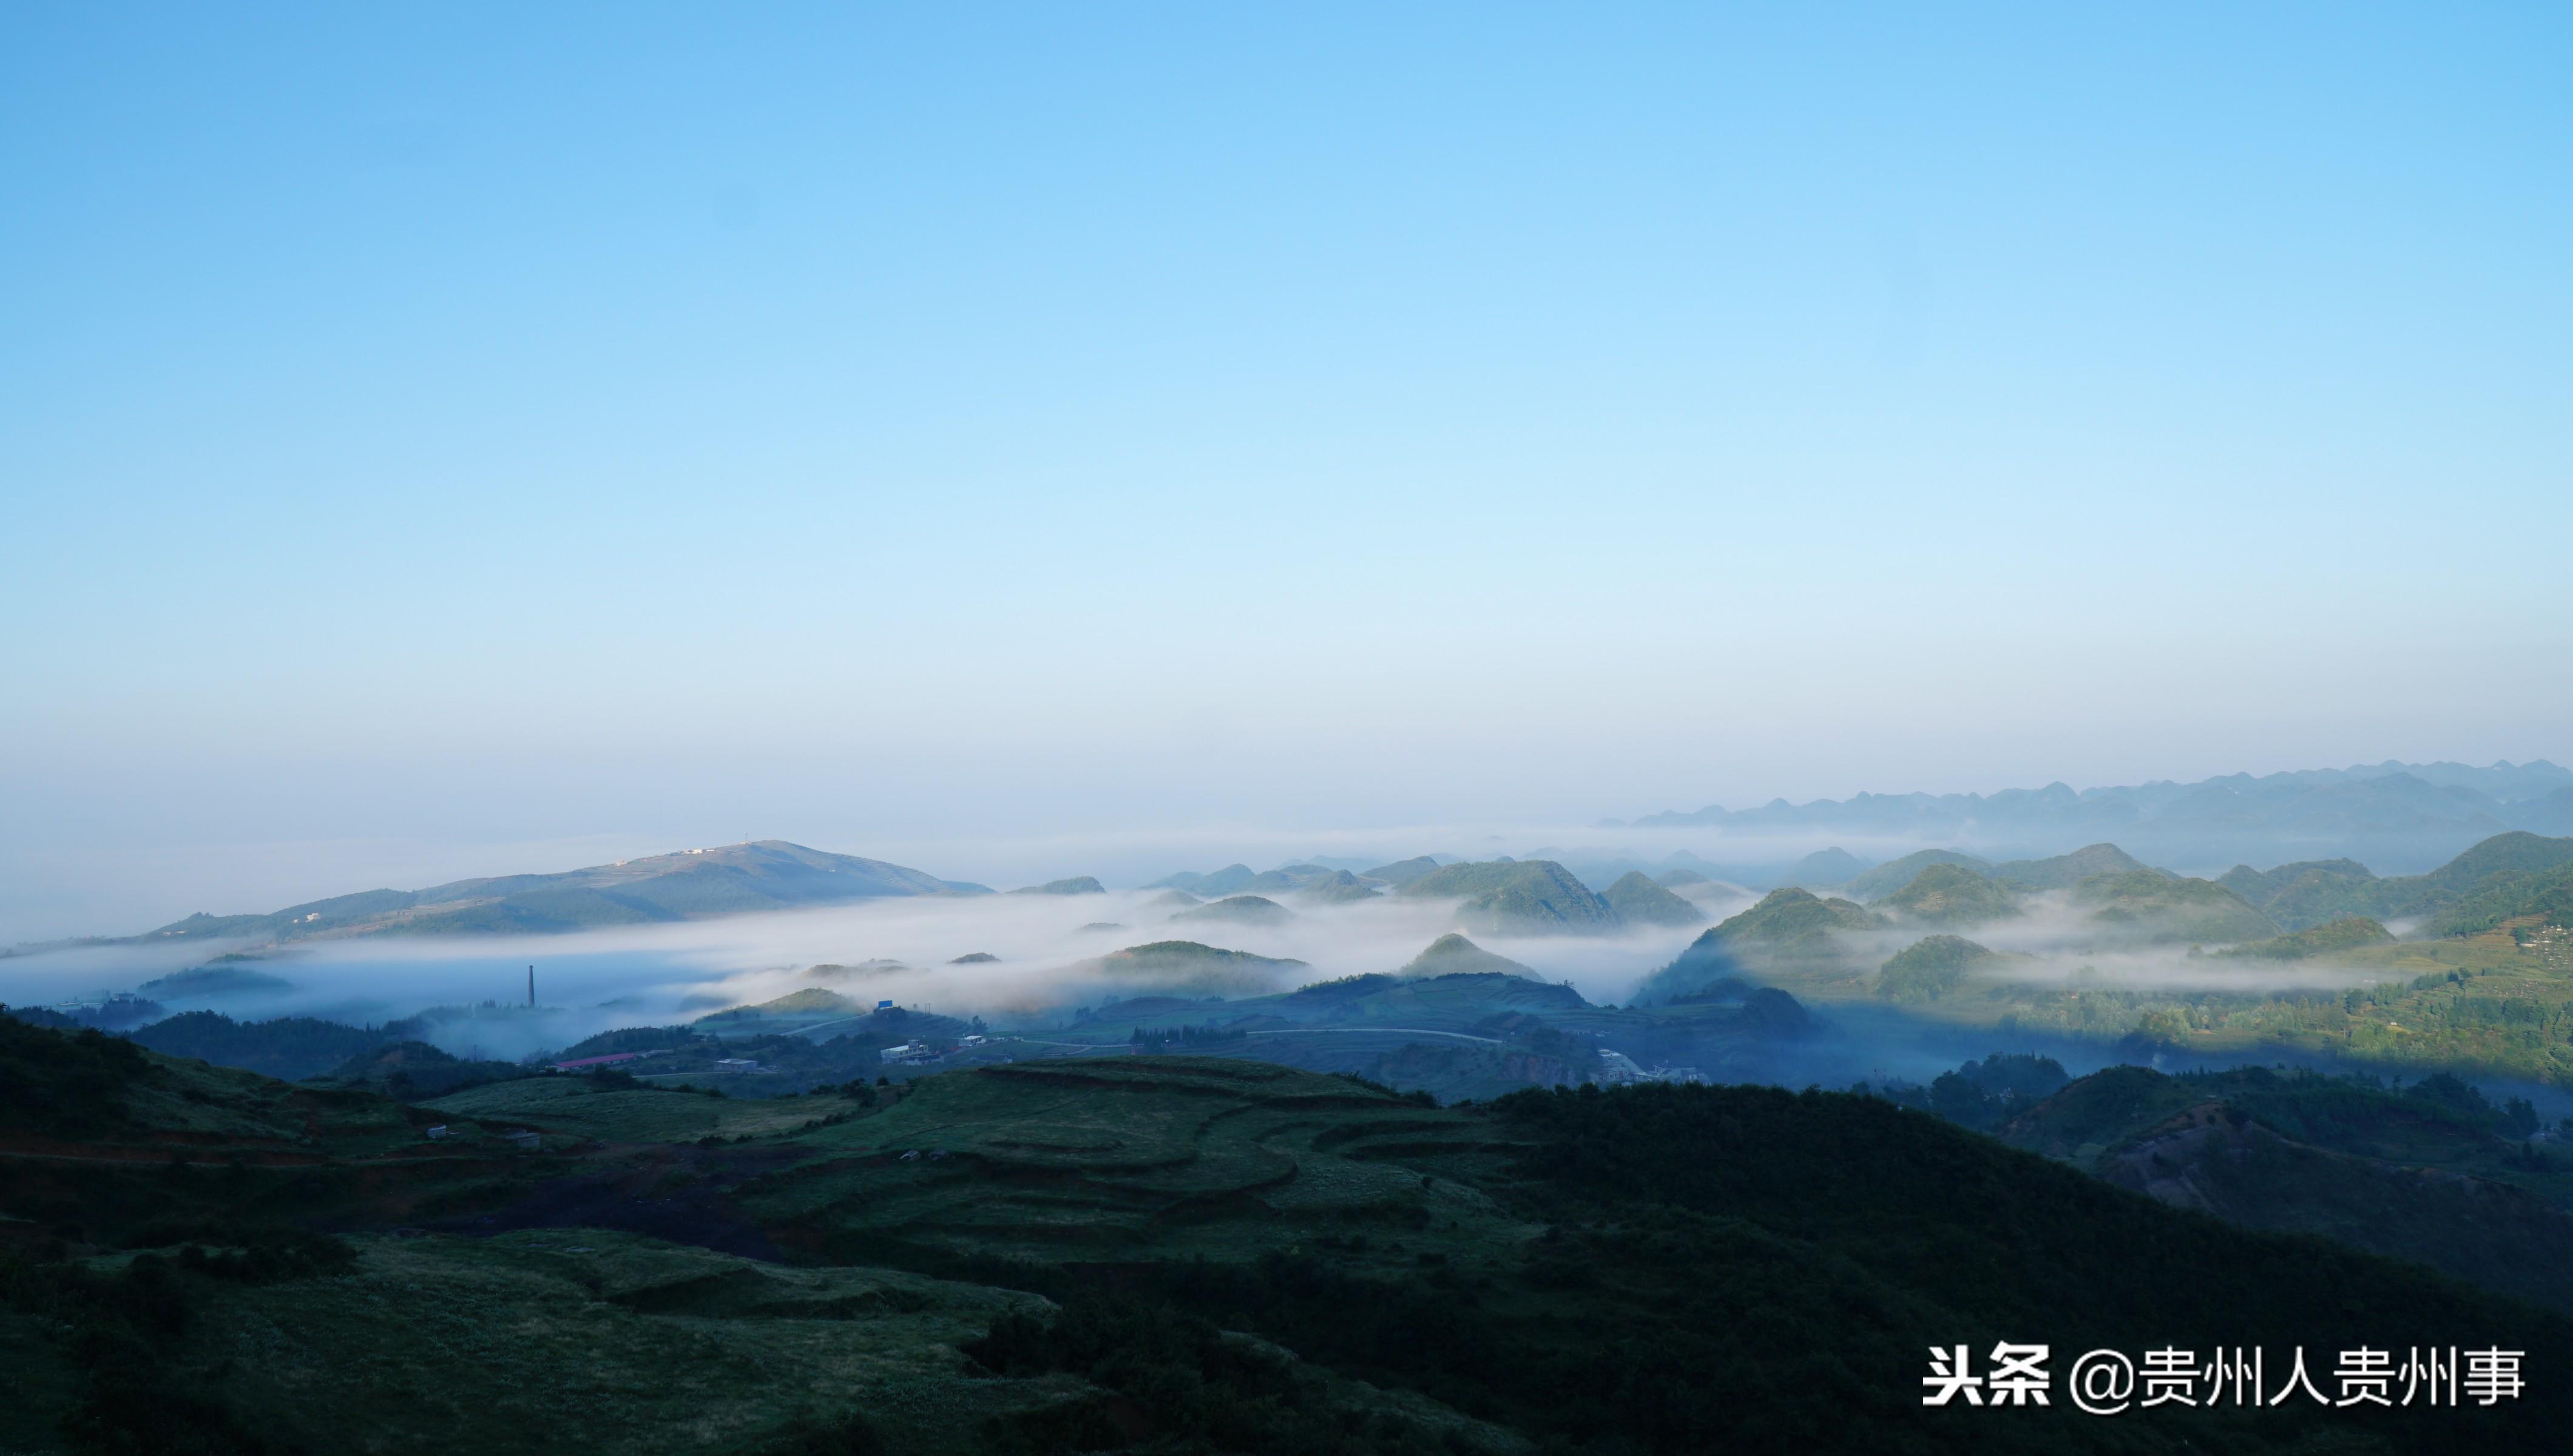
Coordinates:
(450, 443)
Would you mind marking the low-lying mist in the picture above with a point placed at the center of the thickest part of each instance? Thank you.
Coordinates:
(2053, 942)
(1046, 963)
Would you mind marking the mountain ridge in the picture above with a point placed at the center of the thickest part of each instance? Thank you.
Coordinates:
(2396, 814)
(682, 885)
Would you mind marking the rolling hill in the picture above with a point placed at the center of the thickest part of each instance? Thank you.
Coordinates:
(1824, 869)
(2306, 894)
(1402, 872)
(1453, 955)
(1173, 1254)
(2157, 909)
(1929, 968)
(1787, 924)
(1893, 875)
(2543, 896)
(2062, 872)
(2354, 933)
(1077, 885)
(1237, 910)
(2399, 814)
(1212, 886)
(1518, 897)
(1641, 901)
(1950, 895)
(1192, 968)
(2433, 1174)
(691, 883)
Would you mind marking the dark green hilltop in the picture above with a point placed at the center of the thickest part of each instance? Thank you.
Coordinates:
(1950, 895)
(1640, 900)
(1518, 897)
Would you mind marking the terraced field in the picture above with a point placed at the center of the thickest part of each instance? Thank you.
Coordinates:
(577, 1108)
(1169, 1253)
(185, 1107)
(617, 1342)
(1112, 1160)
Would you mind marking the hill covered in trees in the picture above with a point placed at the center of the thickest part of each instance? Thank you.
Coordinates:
(1292, 1262)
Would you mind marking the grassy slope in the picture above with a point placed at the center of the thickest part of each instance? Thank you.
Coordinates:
(2332, 937)
(1951, 894)
(1928, 968)
(1893, 875)
(604, 1341)
(1525, 897)
(2543, 896)
(2156, 908)
(2484, 1006)
(580, 1109)
(1602, 1270)
(1644, 902)
(1805, 1249)
(2402, 1175)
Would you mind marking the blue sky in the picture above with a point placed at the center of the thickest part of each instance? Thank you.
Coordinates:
(427, 431)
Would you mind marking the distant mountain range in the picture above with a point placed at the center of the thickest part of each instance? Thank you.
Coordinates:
(2394, 816)
(691, 883)
(2336, 830)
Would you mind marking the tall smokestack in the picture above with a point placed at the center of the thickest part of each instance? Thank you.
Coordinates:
(531, 987)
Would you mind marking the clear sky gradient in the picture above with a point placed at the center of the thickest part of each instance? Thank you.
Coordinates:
(446, 438)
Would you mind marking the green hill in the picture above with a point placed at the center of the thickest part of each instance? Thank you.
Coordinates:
(1948, 893)
(2543, 896)
(284, 1047)
(1311, 881)
(1164, 1254)
(1518, 897)
(1790, 921)
(1787, 925)
(2513, 853)
(125, 1101)
(1642, 902)
(2304, 895)
(1188, 967)
(1077, 885)
(1893, 875)
(2319, 894)
(2065, 870)
(411, 1070)
(1928, 969)
(1824, 869)
(2259, 887)
(1238, 910)
(2149, 906)
(1453, 955)
(2433, 1174)
(2309, 892)
(1217, 885)
(1681, 879)
(731, 880)
(2354, 933)
(1401, 872)
(201, 982)
(1338, 888)
(1735, 1231)
(796, 1006)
